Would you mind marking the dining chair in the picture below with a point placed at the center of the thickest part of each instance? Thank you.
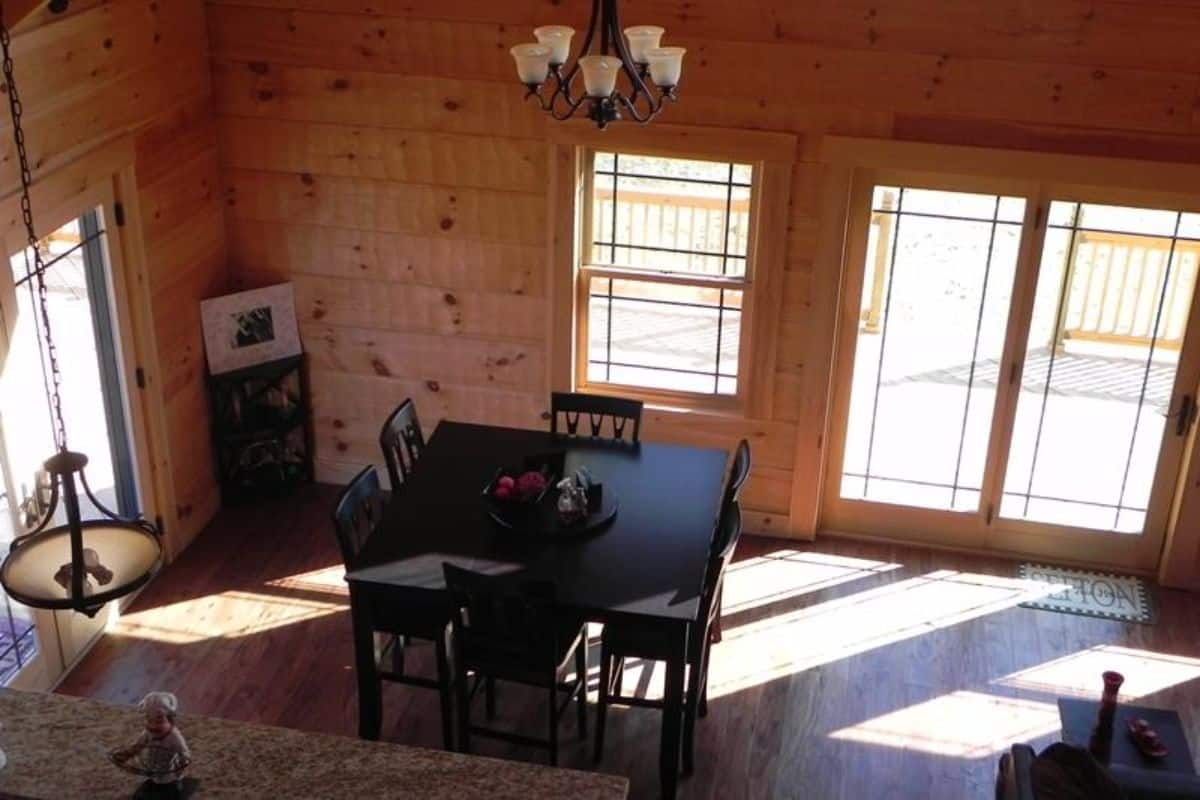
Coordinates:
(629, 640)
(623, 415)
(733, 492)
(509, 631)
(737, 474)
(356, 517)
(402, 442)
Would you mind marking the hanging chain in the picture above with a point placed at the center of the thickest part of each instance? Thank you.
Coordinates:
(52, 380)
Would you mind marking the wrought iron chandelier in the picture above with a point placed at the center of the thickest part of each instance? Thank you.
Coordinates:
(82, 564)
(651, 72)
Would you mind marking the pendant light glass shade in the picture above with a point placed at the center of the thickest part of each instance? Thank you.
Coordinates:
(558, 39)
(599, 74)
(641, 38)
(666, 65)
(83, 564)
(533, 62)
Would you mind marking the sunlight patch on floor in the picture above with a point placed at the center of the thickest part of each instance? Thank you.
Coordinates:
(963, 724)
(1078, 674)
(785, 574)
(228, 615)
(788, 643)
(330, 580)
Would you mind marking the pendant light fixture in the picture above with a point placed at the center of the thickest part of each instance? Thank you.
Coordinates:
(651, 72)
(81, 564)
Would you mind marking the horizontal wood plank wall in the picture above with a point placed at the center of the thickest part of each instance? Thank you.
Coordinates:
(107, 69)
(379, 155)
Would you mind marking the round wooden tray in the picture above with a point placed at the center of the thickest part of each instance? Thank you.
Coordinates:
(542, 519)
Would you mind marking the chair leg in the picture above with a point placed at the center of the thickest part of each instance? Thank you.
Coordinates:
(552, 714)
(602, 700)
(489, 691)
(704, 680)
(462, 689)
(581, 672)
(690, 703)
(445, 684)
(714, 630)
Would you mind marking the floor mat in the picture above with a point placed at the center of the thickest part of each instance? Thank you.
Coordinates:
(1092, 594)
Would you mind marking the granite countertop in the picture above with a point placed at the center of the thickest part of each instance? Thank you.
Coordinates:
(56, 747)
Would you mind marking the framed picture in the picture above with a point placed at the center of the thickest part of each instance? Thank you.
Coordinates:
(249, 328)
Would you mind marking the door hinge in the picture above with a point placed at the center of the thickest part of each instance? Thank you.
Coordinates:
(1186, 415)
(1012, 373)
(991, 510)
(1039, 216)
(119, 214)
(139, 375)
(158, 523)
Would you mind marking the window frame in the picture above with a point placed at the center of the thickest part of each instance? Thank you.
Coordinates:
(586, 271)
(775, 152)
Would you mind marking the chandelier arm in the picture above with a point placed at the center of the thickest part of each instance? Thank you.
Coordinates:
(631, 107)
(138, 521)
(572, 107)
(563, 83)
(586, 47)
(563, 90)
(45, 341)
(41, 526)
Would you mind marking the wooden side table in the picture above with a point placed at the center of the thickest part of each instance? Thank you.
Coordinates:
(1079, 717)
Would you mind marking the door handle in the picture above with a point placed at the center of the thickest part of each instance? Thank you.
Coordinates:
(1185, 415)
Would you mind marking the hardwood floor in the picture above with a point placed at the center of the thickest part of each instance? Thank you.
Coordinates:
(847, 670)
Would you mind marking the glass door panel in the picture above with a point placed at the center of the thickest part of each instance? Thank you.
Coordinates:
(1113, 297)
(79, 299)
(939, 272)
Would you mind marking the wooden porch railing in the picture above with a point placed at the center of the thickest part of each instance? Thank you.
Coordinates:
(1114, 285)
(673, 222)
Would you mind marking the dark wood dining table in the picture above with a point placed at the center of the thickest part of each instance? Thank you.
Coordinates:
(646, 566)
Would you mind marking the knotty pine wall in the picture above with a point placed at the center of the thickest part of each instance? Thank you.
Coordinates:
(379, 155)
(109, 68)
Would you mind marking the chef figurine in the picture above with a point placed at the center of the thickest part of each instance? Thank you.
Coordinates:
(164, 752)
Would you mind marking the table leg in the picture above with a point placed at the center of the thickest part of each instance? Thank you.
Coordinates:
(370, 701)
(668, 758)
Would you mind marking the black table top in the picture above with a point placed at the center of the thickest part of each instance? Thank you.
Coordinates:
(648, 563)
(1079, 717)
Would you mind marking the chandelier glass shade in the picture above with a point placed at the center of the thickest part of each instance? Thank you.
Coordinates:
(625, 74)
(68, 563)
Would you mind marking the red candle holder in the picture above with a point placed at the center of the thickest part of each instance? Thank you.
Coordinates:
(1100, 744)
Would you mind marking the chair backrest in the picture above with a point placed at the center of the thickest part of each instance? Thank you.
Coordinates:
(725, 542)
(500, 623)
(357, 514)
(402, 442)
(624, 416)
(737, 475)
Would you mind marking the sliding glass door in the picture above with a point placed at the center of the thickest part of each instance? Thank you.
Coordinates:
(1015, 370)
(941, 267)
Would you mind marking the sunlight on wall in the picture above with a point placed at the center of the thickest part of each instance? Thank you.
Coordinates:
(788, 643)
(784, 574)
(1078, 674)
(228, 615)
(962, 724)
